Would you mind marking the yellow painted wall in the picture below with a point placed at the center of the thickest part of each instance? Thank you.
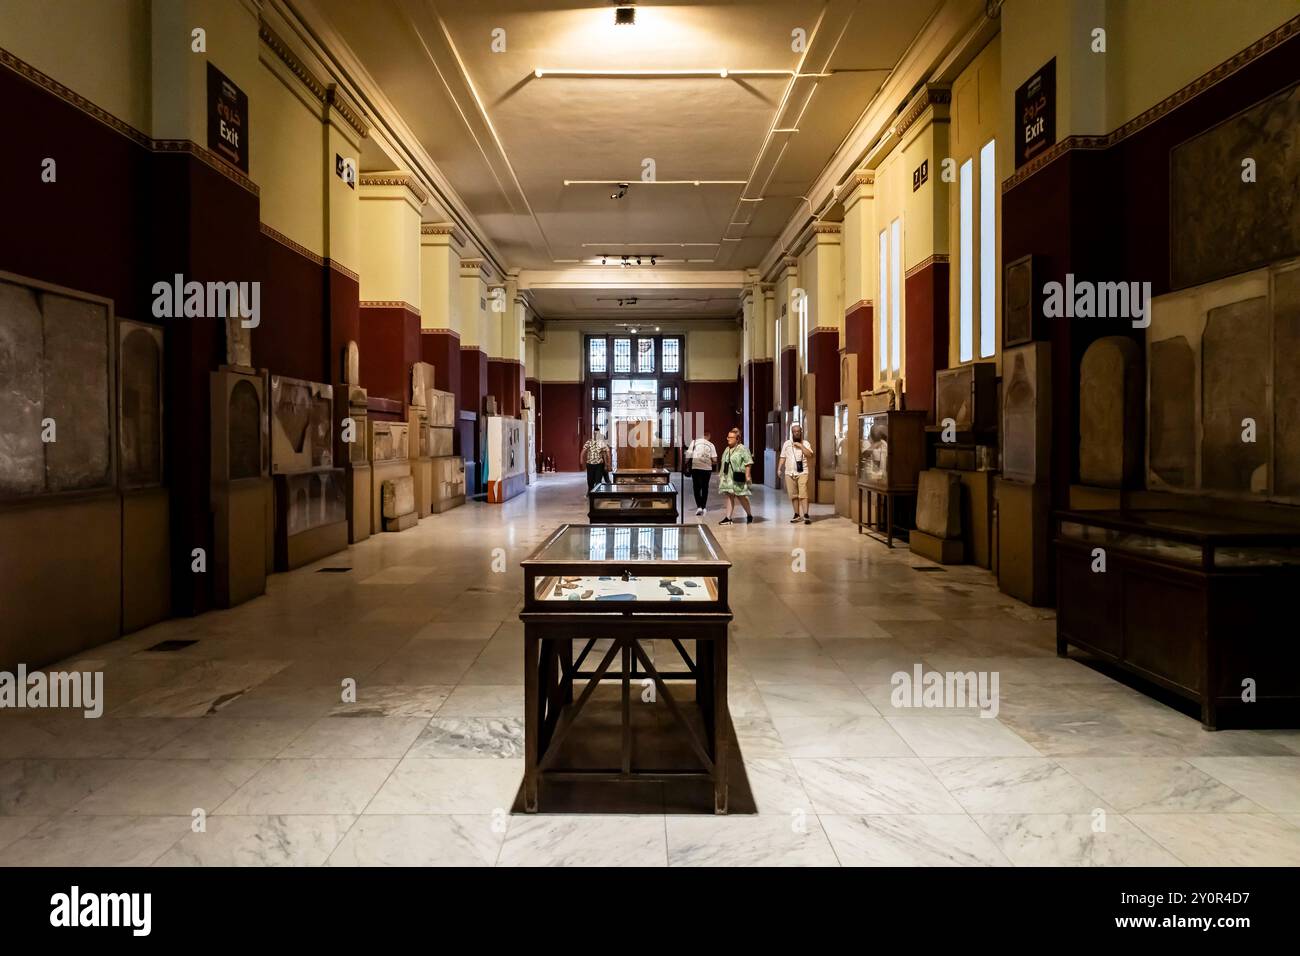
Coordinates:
(390, 246)
(893, 183)
(343, 215)
(285, 155)
(439, 284)
(712, 354)
(1160, 46)
(98, 48)
(559, 358)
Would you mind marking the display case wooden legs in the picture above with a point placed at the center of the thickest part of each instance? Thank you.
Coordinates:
(552, 675)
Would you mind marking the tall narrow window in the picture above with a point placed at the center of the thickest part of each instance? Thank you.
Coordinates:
(988, 252)
(802, 306)
(622, 355)
(645, 355)
(966, 276)
(672, 355)
(895, 300)
(883, 311)
(596, 355)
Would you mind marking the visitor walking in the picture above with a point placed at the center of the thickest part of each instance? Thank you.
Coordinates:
(737, 475)
(701, 456)
(595, 454)
(795, 462)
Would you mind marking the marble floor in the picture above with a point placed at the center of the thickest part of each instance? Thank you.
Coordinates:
(238, 749)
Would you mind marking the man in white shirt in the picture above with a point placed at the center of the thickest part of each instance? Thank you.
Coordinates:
(795, 461)
(701, 456)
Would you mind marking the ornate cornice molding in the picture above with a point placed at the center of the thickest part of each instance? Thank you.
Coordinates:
(827, 228)
(451, 332)
(1170, 103)
(336, 98)
(930, 96)
(288, 243)
(276, 44)
(396, 179)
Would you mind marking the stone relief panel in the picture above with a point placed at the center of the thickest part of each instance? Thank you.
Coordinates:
(22, 390)
(1234, 381)
(140, 419)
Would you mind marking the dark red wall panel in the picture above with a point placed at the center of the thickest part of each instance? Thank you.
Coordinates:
(926, 294)
(559, 432)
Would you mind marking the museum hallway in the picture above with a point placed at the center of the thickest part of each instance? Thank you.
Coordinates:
(244, 721)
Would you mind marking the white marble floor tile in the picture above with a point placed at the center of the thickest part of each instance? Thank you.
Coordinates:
(1223, 839)
(319, 785)
(946, 839)
(389, 700)
(96, 841)
(428, 785)
(168, 787)
(1014, 785)
(357, 737)
(422, 840)
(66, 737)
(1272, 782)
(554, 840)
(816, 700)
(794, 840)
(11, 828)
(960, 737)
(249, 737)
(260, 841)
(1080, 839)
(1156, 785)
(873, 785)
(470, 737)
(776, 786)
(49, 787)
(495, 700)
(840, 737)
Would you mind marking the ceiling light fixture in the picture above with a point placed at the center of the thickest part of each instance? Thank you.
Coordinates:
(625, 16)
(621, 192)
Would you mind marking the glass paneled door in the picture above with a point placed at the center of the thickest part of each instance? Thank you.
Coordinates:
(633, 401)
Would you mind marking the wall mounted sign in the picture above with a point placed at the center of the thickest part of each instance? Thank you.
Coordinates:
(1036, 114)
(346, 170)
(920, 175)
(227, 119)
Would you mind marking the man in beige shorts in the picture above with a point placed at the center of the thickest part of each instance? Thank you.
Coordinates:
(795, 462)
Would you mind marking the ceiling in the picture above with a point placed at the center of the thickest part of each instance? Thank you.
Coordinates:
(507, 140)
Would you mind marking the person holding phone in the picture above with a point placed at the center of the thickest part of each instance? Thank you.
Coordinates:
(795, 462)
(737, 465)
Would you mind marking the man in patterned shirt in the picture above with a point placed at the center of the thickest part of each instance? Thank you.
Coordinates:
(595, 455)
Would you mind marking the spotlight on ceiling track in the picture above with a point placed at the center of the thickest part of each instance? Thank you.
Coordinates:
(625, 16)
(622, 191)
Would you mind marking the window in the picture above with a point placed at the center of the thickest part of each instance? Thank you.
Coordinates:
(801, 305)
(988, 252)
(645, 355)
(966, 272)
(883, 314)
(622, 355)
(596, 355)
(895, 301)
(672, 355)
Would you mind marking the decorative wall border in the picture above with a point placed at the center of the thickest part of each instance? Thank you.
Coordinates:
(288, 243)
(1170, 103)
(343, 270)
(938, 259)
(101, 115)
(329, 95)
(440, 332)
(388, 304)
(930, 96)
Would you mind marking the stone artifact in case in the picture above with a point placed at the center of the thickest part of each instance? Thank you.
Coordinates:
(301, 425)
(1110, 413)
(620, 503)
(1026, 412)
(966, 394)
(140, 409)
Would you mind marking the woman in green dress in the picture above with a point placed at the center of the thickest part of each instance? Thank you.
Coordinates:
(736, 468)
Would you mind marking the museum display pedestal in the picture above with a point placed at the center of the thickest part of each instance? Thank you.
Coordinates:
(310, 517)
(422, 480)
(937, 535)
(1023, 536)
(1190, 601)
(633, 586)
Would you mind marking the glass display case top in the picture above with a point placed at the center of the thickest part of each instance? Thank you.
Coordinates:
(1183, 537)
(585, 543)
(626, 488)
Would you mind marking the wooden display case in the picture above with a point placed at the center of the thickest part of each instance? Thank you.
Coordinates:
(632, 503)
(891, 453)
(1191, 602)
(616, 582)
